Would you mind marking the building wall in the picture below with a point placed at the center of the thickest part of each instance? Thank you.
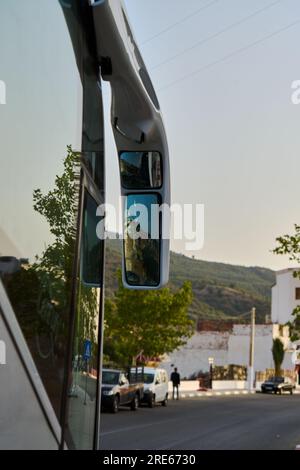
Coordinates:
(283, 296)
(193, 357)
(239, 346)
(231, 347)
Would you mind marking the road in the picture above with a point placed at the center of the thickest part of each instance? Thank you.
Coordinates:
(246, 422)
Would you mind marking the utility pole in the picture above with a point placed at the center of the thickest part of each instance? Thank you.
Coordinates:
(251, 351)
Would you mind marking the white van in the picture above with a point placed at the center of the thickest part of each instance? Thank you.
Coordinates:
(155, 386)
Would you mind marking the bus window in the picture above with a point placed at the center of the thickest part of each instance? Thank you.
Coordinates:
(85, 349)
(41, 117)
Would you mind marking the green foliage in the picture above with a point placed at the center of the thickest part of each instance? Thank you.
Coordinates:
(148, 322)
(290, 245)
(278, 355)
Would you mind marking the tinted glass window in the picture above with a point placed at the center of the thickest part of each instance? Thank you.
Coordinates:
(83, 387)
(39, 178)
(110, 378)
(91, 248)
(148, 378)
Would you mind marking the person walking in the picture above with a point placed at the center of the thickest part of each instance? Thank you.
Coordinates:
(175, 379)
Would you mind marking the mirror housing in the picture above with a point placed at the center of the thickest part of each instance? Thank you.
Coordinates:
(137, 126)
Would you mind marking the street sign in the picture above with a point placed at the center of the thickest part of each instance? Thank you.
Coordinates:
(87, 350)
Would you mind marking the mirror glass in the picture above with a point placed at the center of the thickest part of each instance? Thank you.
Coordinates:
(140, 170)
(141, 239)
(91, 245)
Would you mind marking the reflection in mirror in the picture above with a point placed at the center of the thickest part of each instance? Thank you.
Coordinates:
(141, 240)
(140, 170)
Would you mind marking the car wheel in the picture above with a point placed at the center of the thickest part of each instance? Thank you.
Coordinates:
(151, 402)
(165, 402)
(135, 403)
(115, 405)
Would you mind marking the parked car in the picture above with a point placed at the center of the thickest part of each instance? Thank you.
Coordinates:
(277, 385)
(116, 391)
(155, 386)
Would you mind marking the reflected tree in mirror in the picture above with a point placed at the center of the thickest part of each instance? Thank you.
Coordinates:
(141, 240)
(141, 170)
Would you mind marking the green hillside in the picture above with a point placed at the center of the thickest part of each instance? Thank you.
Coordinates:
(221, 291)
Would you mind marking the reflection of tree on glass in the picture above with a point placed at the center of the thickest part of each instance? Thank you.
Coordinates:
(41, 291)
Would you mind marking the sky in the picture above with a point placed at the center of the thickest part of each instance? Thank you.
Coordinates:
(222, 70)
(232, 128)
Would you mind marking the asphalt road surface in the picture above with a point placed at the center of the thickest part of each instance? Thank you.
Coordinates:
(246, 422)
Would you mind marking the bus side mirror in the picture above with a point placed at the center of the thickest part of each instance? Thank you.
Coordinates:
(141, 142)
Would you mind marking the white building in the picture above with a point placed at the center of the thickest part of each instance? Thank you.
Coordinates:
(229, 344)
(285, 295)
(228, 347)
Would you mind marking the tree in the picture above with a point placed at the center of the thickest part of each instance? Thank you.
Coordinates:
(150, 323)
(290, 245)
(278, 355)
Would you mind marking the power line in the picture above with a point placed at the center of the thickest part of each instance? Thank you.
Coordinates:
(219, 33)
(229, 56)
(191, 15)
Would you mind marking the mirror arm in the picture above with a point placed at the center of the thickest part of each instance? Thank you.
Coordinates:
(139, 140)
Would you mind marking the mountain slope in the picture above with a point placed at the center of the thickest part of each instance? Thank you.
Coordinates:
(221, 291)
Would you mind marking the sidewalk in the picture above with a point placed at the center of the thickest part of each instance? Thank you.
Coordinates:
(215, 393)
(190, 389)
(219, 393)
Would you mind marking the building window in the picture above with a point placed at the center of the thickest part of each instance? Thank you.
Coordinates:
(297, 293)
